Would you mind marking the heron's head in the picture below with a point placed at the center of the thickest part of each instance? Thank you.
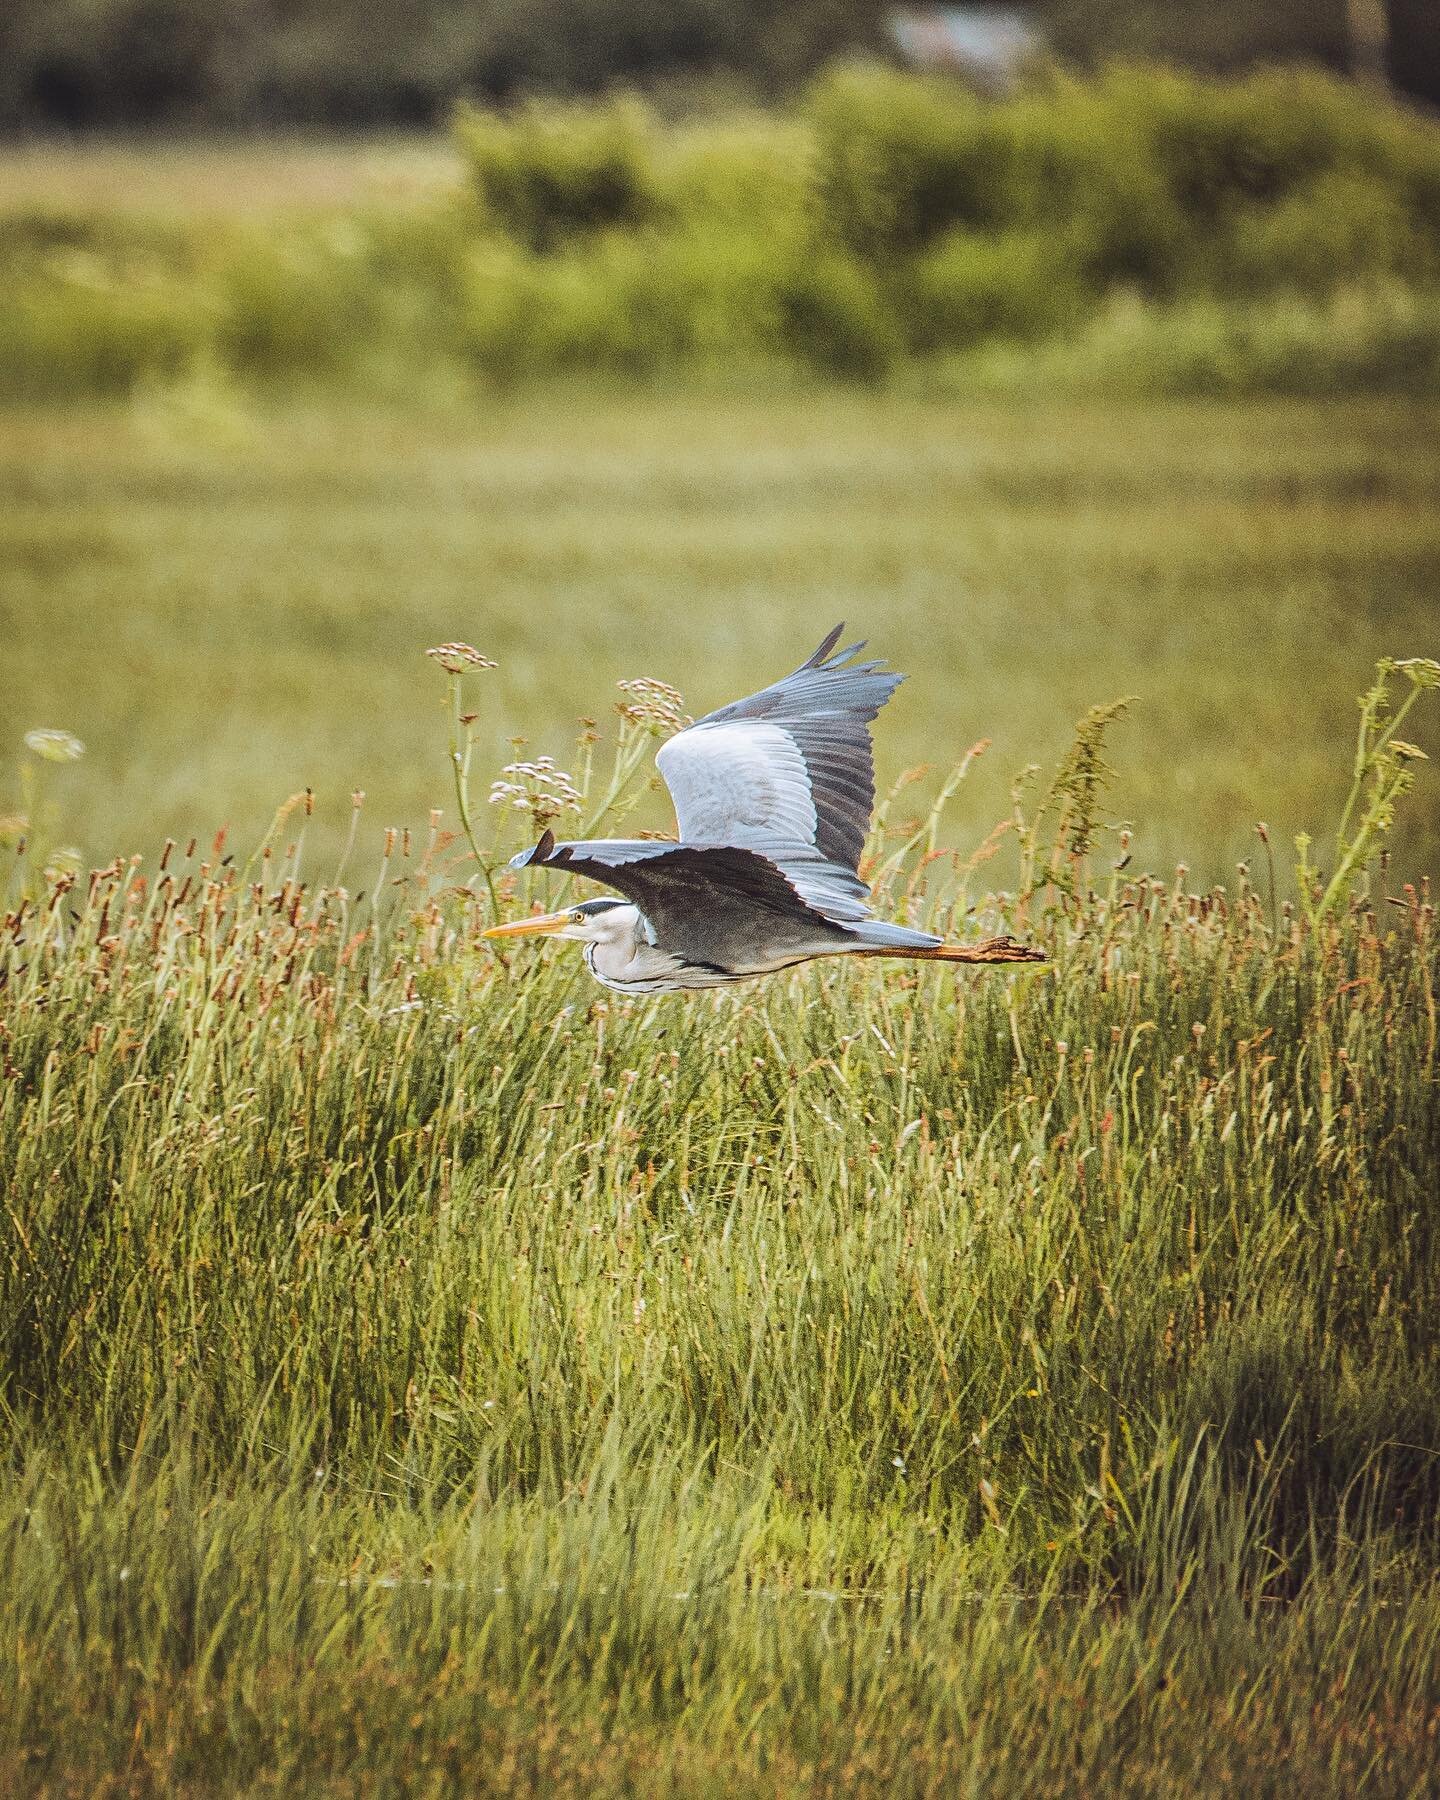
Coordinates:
(591, 922)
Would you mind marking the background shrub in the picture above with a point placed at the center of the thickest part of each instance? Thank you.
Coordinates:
(1235, 143)
(972, 286)
(302, 304)
(698, 295)
(900, 160)
(744, 174)
(887, 216)
(508, 321)
(1080, 169)
(552, 173)
(1340, 228)
(74, 332)
(1369, 340)
(92, 308)
(835, 318)
(626, 304)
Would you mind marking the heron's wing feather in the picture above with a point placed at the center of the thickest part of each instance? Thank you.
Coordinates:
(792, 763)
(720, 904)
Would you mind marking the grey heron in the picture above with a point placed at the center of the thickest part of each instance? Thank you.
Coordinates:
(773, 796)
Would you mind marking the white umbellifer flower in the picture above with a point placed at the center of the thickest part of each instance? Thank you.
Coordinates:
(456, 658)
(654, 704)
(54, 746)
(538, 788)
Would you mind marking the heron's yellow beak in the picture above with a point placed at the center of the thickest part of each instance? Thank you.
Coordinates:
(539, 927)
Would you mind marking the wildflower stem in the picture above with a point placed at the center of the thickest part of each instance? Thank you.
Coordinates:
(1366, 751)
(1389, 781)
(462, 744)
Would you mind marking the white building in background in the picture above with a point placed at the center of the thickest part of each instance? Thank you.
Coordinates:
(987, 45)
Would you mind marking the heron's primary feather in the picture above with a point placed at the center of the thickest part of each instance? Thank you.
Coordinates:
(792, 763)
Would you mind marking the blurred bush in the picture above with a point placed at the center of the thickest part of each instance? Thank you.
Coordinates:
(94, 306)
(972, 286)
(737, 173)
(901, 159)
(1338, 229)
(304, 304)
(70, 333)
(549, 173)
(889, 218)
(836, 319)
(1370, 340)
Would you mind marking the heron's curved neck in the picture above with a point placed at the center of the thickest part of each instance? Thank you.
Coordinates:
(626, 956)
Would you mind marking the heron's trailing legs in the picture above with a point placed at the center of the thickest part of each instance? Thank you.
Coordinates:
(993, 950)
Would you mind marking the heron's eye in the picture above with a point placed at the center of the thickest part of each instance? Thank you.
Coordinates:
(577, 918)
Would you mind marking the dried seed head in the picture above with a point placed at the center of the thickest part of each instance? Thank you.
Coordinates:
(455, 659)
(538, 788)
(653, 704)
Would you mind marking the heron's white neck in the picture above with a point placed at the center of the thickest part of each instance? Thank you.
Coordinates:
(621, 953)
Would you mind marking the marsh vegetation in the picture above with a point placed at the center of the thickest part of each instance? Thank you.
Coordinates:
(423, 1373)
(420, 1372)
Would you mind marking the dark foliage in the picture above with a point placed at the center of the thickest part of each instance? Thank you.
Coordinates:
(77, 64)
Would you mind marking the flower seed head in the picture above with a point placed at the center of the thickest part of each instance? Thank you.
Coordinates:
(456, 658)
(656, 705)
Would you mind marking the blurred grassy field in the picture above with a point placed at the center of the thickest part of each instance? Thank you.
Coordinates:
(229, 604)
(223, 178)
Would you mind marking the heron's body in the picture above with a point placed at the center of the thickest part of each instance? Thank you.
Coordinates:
(620, 955)
(773, 796)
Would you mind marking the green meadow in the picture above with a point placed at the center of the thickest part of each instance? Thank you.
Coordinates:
(424, 1373)
(229, 605)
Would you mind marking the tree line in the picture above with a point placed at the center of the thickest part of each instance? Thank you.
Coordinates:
(107, 64)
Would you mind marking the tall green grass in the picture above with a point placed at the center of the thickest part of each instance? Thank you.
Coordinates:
(426, 1371)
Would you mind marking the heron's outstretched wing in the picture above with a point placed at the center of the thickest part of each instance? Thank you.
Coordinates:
(720, 904)
(791, 764)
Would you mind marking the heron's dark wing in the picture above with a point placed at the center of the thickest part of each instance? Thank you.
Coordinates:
(719, 904)
(792, 763)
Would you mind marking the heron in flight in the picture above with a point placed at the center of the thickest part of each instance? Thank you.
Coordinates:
(773, 797)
